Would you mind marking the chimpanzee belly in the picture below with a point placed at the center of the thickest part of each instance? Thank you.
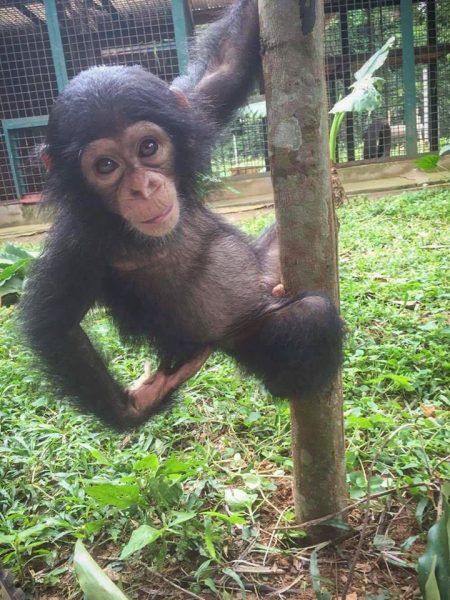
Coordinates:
(183, 309)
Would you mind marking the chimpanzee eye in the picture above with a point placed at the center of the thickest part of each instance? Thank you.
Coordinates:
(148, 147)
(105, 165)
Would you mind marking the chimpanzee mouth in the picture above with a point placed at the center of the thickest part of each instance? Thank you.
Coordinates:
(159, 218)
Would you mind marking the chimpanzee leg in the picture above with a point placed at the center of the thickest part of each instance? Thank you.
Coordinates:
(296, 349)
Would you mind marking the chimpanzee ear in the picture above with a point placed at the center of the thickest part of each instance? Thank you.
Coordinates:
(45, 158)
(226, 62)
(181, 98)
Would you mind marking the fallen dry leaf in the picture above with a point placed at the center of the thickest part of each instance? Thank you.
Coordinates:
(428, 410)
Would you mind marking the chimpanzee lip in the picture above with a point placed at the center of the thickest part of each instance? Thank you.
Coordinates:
(159, 217)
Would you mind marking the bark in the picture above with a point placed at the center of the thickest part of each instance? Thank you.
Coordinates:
(294, 77)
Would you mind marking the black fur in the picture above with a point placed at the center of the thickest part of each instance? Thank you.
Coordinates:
(204, 284)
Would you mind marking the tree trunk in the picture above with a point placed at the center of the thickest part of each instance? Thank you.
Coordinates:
(293, 62)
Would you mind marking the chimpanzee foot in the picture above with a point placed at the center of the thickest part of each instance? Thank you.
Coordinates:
(149, 391)
(278, 291)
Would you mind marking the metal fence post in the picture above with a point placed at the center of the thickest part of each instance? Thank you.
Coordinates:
(182, 29)
(409, 76)
(54, 34)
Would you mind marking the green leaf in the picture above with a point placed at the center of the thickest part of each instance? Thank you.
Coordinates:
(434, 565)
(364, 97)
(115, 494)
(25, 534)
(16, 252)
(14, 269)
(428, 162)
(236, 578)
(209, 539)
(173, 466)
(400, 381)
(140, 538)
(99, 457)
(238, 499)
(444, 150)
(95, 584)
(149, 463)
(12, 286)
(163, 492)
(179, 517)
(375, 61)
(420, 509)
(382, 542)
(431, 585)
(232, 519)
(314, 572)
(211, 585)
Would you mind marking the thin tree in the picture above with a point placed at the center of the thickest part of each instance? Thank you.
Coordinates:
(294, 78)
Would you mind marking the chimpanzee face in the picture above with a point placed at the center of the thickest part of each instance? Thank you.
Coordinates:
(133, 172)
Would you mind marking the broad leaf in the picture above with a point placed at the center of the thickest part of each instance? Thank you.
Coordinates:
(179, 517)
(15, 269)
(95, 584)
(140, 538)
(149, 463)
(12, 286)
(375, 61)
(428, 162)
(434, 564)
(431, 586)
(364, 97)
(114, 494)
(238, 499)
(17, 252)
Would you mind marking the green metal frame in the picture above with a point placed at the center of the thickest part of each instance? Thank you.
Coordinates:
(183, 29)
(9, 126)
(54, 34)
(409, 76)
(59, 63)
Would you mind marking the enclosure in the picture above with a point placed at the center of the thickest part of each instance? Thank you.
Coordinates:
(43, 44)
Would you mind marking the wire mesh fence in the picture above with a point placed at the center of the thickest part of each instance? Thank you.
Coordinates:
(44, 43)
(27, 80)
(123, 32)
(354, 31)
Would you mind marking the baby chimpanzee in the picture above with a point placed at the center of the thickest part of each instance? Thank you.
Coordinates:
(124, 152)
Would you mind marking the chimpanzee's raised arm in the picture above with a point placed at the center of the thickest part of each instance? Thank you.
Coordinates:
(225, 62)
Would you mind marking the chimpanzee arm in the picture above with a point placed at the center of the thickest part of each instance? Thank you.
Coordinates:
(62, 287)
(226, 62)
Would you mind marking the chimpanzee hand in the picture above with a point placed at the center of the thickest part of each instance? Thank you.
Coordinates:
(149, 391)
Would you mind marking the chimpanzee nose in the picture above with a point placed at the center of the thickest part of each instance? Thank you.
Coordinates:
(144, 184)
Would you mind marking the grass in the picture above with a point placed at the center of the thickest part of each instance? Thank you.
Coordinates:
(212, 476)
